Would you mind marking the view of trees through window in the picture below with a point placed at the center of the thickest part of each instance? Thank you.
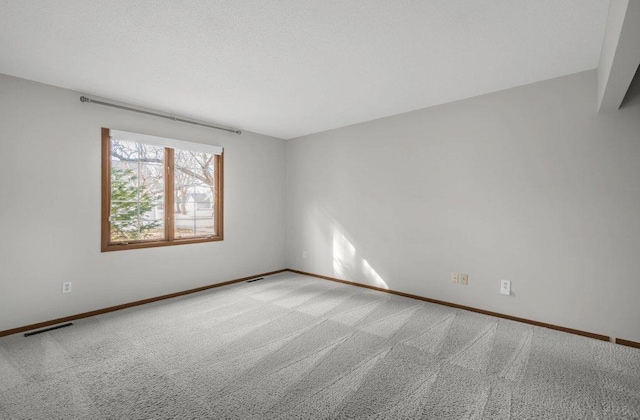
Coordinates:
(139, 182)
(137, 191)
(194, 193)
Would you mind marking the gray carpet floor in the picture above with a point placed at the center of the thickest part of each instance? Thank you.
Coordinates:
(292, 346)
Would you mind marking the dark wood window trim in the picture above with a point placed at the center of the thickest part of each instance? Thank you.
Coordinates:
(169, 240)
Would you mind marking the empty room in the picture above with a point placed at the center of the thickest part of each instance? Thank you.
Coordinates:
(320, 209)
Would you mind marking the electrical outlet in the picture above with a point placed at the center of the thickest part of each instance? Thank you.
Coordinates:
(66, 287)
(464, 279)
(505, 287)
(454, 277)
(304, 254)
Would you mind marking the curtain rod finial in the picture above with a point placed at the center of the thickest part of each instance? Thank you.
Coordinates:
(84, 99)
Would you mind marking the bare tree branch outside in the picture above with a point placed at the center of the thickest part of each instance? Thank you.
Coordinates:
(137, 192)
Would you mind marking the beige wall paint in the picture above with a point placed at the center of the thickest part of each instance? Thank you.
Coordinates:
(50, 209)
(530, 184)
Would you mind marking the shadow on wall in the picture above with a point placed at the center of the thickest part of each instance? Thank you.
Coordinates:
(632, 97)
(347, 263)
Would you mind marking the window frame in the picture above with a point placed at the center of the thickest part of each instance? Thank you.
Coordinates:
(169, 203)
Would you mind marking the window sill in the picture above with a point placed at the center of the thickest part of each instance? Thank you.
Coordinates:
(154, 244)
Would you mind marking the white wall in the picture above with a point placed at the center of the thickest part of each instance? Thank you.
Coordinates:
(529, 184)
(50, 209)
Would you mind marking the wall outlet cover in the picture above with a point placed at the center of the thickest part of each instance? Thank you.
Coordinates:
(66, 287)
(505, 287)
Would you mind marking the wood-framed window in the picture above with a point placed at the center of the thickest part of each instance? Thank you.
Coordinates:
(158, 191)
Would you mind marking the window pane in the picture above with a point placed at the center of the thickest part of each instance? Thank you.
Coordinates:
(204, 226)
(137, 192)
(194, 194)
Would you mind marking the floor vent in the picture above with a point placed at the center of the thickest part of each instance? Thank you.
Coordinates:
(251, 281)
(48, 329)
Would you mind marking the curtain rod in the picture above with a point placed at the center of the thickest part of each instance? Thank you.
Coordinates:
(155, 114)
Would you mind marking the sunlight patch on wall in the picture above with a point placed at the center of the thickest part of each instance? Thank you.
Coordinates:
(372, 275)
(344, 256)
(348, 265)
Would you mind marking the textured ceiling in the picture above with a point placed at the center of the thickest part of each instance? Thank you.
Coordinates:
(293, 67)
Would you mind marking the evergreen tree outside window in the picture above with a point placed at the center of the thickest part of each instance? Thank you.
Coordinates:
(130, 203)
